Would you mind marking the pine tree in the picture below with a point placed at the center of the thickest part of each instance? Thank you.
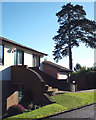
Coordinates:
(74, 28)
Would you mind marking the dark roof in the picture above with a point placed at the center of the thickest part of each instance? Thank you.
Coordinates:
(22, 46)
(59, 67)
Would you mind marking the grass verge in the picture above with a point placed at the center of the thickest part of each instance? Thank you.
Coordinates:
(63, 102)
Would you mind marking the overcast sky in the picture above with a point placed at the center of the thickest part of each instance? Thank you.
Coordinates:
(34, 24)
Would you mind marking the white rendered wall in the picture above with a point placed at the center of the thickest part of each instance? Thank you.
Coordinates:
(63, 75)
(5, 70)
(28, 59)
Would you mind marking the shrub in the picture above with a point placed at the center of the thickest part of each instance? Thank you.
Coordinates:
(84, 78)
(15, 109)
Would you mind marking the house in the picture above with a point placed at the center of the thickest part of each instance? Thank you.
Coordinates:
(24, 75)
(12, 53)
(16, 75)
(56, 71)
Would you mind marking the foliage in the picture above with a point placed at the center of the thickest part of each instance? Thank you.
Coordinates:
(41, 112)
(91, 69)
(74, 28)
(15, 109)
(77, 67)
(85, 78)
(63, 102)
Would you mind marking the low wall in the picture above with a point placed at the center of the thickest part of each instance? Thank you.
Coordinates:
(12, 99)
(9, 95)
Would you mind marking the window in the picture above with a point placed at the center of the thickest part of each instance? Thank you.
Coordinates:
(20, 94)
(36, 61)
(1, 54)
(63, 75)
(18, 57)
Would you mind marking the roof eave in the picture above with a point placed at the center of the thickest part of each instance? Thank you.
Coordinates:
(22, 46)
(59, 69)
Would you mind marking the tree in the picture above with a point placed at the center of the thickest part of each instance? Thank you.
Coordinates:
(77, 67)
(74, 28)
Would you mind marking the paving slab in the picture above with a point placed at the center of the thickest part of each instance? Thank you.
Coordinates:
(82, 91)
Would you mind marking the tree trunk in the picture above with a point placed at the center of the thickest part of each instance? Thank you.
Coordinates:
(70, 52)
(70, 58)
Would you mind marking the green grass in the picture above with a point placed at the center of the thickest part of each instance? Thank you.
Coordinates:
(74, 100)
(63, 102)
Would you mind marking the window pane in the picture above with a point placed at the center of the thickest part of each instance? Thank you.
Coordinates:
(35, 61)
(20, 57)
(15, 57)
(1, 54)
(20, 93)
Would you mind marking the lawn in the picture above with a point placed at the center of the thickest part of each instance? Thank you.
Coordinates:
(63, 102)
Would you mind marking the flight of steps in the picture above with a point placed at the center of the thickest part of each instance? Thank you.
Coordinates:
(51, 91)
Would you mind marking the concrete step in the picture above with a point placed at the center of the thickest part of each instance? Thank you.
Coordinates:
(50, 93)
(49, 88)
(53, 89)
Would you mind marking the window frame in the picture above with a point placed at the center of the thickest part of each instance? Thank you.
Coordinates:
(17, 51)
(20, 92)
(35, 64)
